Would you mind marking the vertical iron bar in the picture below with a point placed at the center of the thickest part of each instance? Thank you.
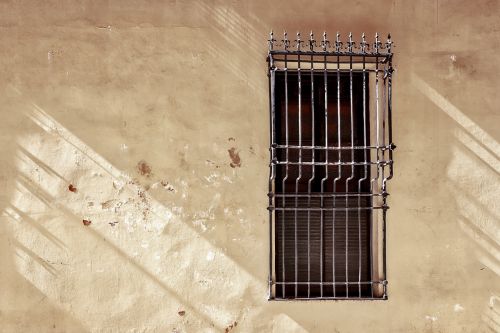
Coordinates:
(384, 189)
(375, 180)
(389, 111)
(285, 42)
(338, 45)
(272, 169)
(325, 78)
(352, 167)
(311, 47)
(300, 156)
(363, 45)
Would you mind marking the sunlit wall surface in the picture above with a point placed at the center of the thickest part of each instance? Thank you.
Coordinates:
(134, 142)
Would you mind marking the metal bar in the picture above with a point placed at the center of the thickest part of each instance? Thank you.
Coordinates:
(286, 169)
(299, 43)
(311, 41)
(384, 186)
(278, 195)
(313, 299)
(328, 298)
(331, 283)
(365, 171)
(273, 168)
(350, 45)
(387, 147)
(333, 53)
(380, 163)
(325, 178)
(338, 45)
(293, 71)
(326, 209)
(377, 138)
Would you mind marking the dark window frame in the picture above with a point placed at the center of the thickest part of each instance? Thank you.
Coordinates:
(304, 83)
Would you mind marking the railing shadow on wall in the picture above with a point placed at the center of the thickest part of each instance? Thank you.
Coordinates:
(236, 35)
(50, 204)
(474, 178)
(23, 305)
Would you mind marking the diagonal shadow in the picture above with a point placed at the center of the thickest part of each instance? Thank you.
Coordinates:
(49, 200)
(478, 148)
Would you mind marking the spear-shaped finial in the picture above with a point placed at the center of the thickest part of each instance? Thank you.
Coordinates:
(338, 43)
(350, 43)
(325, 41)
(377, 43)
(299, 42)
(363, 44)
(312, 42)
(388, 44)
(286, 42)
(271, 40)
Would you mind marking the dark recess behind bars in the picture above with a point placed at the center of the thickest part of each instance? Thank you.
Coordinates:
(313, 263)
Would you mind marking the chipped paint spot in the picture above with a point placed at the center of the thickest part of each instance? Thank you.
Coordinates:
(458, 308)
(201, 223)
(212, 178)
(210, 256)
(431, 318)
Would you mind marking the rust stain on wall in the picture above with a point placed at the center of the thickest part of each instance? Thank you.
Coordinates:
(144, 169)
(235, 157)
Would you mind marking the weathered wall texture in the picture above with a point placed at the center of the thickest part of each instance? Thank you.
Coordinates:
(136, 104)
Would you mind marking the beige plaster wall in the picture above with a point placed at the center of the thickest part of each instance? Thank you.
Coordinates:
(136, 105)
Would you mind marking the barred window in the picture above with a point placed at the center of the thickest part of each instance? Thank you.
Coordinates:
(331, 157)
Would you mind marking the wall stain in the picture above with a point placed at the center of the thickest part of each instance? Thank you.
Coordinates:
(144, 204)
(86, 222)
(144, 168)
(166, 185)
(235, 157)
(72, 188)
(230, 327)
(181, 313)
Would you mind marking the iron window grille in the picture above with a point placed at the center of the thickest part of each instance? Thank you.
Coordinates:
(330, 159)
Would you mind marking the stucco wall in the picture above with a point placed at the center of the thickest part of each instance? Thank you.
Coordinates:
(136, 104)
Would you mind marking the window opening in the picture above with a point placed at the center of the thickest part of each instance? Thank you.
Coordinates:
(331, 157)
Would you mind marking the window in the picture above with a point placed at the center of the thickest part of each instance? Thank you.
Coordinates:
(331, 157)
